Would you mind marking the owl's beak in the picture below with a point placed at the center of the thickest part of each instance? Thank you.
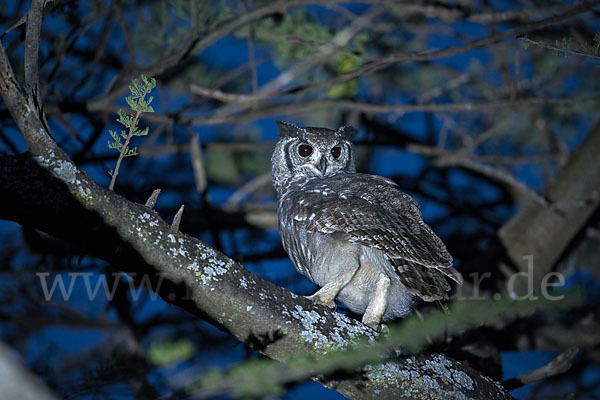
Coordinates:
(323, 165)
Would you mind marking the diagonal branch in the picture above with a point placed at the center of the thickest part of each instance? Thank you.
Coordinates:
(544, 233)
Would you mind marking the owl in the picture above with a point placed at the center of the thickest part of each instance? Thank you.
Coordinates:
(356, 236)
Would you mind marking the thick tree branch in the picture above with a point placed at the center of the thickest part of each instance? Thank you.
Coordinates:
(70, 206)
(16, 382)
(544, 232)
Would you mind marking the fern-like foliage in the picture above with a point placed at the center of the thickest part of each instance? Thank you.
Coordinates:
(565, 47)
(138, 104)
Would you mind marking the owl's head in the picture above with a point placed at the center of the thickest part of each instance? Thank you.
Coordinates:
(311, 152)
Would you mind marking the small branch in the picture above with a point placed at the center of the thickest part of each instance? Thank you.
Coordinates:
(126, 36)
(233, 202)
(558, 49)
(122, 152)
(270, 109)
(562, 363)
(198, 164)
(250, 45)
(496, 174)
(177, 219)
(227, 97)
(125, 147)
(151, 202)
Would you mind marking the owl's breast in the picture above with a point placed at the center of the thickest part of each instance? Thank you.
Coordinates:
(294, 238)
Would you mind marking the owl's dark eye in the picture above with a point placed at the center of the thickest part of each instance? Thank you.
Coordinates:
(336, 152)
(305, 150)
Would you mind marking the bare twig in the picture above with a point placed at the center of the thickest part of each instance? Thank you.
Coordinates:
(559, 365)
(48, 6)
(464, 161)
(331, 105)
(177, 219)
(99, 51)
(126, 36)
(233, 202)
(151, 202)
(198, 164)
(558, 49)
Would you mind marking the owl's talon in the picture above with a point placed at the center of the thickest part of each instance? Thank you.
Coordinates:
(316, 299)
(383, 329)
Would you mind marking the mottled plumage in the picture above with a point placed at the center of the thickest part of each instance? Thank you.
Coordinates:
(355, 235)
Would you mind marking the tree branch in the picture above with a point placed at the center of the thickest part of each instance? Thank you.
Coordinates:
(32, 43)
(16, 382)
(544, 232)
(190, 274)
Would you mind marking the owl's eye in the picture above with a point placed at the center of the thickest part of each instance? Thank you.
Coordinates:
(305, 150)
(336, 152)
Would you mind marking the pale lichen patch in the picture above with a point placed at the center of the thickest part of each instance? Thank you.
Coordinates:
(444, 379)
(65, 171)
(194, 266)
(179, 251)
(62, 169)
(441, 366)
(311, 321)
(211, 272)
(352, 329)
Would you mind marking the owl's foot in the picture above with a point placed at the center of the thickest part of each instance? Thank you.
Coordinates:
(318, 299)
(377, 305)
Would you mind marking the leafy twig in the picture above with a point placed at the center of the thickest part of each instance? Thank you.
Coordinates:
(562, 47)
(137, 103)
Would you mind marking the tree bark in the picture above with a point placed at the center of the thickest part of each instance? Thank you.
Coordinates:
(17, 383)
(544, 232)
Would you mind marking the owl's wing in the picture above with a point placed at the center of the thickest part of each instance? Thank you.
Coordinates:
(370, 210)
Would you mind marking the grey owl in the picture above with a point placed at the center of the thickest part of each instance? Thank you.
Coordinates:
(357, 236)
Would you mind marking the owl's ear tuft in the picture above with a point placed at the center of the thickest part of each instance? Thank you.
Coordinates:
(286, 129)
(347, 132)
